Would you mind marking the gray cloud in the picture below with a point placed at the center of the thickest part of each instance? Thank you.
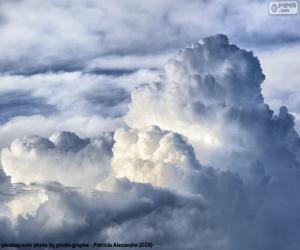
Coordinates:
(85, 103)
(65, 36)
(22, 103)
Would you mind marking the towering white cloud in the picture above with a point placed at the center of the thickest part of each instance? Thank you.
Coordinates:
(201, 84)
(211, 93)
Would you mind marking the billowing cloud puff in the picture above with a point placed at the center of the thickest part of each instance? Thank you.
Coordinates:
(152, 155)
(63, 157)
(27, 202)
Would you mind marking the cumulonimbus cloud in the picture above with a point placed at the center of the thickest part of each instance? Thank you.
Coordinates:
(203, 163)
(211, 93)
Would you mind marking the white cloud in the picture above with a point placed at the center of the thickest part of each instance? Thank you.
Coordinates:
(154, 156)
(61, 158)
(202, 163)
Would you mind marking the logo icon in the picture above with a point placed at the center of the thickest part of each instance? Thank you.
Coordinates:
(274, 7)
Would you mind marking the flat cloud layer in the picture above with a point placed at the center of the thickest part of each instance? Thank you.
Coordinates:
(69, 35)
(85, 103)
(203, 163)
